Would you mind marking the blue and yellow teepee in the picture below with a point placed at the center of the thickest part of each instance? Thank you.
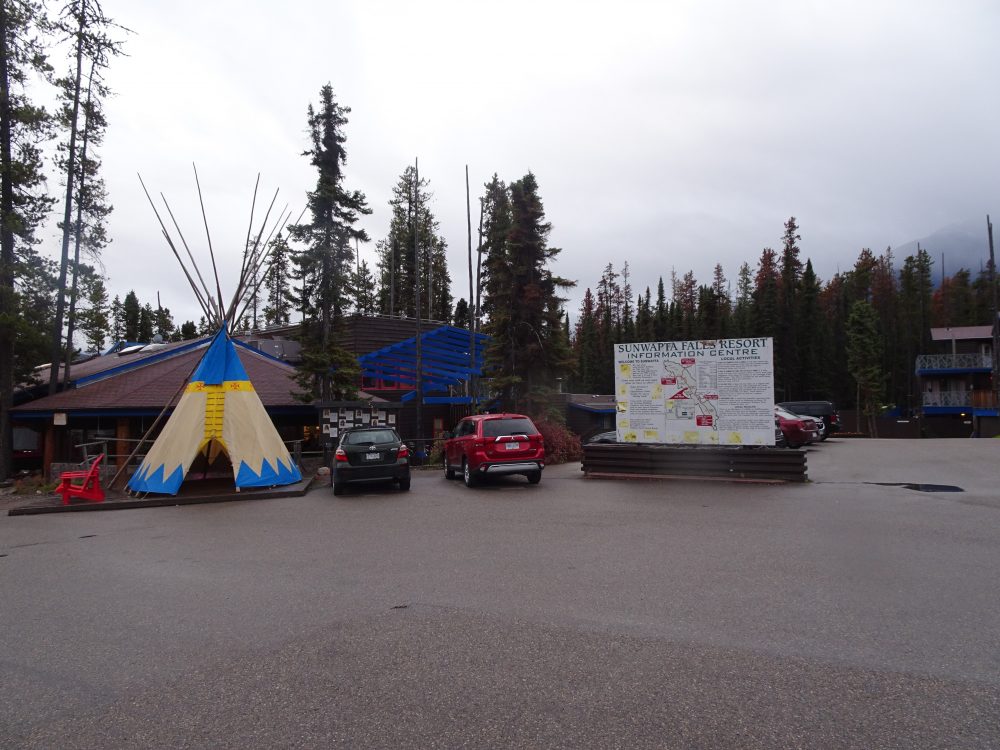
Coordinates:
(219, 413)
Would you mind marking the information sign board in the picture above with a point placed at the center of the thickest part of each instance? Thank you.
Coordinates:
(715, 392)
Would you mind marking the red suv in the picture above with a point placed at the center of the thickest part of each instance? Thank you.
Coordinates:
(490, 444)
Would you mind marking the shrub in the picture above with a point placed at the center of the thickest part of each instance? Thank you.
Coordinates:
(561, 445)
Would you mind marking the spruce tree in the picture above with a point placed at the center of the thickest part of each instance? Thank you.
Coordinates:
(396, 264)
(117, 313)
(496, 225)
(586, 342)
(660, 315)
(461, 318)
(743, 314)
(864, 359)
(364, 298)
(528, 350)
(811, 355)
(786, 331)
(23, 202)
(323, 267)
(278, 297)
(95, 322)
(130, 316)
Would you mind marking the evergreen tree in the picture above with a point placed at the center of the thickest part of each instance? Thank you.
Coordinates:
(23, 202)
(527, 349)
(147, 320)
(660, 315)
(766, 305)
(130, 317)
(644, 318)
(278, 303)
(952, 304)
(396, 264)
(496, 264)
(915, 290)
(188, 330)
(461, 318)
(812, 353)
(835, 303)
(864, 358)
(609, 331)
(162, 323)
(81, 116)
(35, 295)
(743, 313)
(95, 322)
(686, 298)
(586, 343)
(117, 313)
(363, 293)
(786, 334)
(323, 267)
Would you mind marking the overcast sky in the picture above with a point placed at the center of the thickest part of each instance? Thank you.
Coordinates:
(668, 134)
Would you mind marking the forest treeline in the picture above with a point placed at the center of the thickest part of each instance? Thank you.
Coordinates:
(878, 313)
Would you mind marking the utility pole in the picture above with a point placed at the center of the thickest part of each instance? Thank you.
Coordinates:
(419, 445)
(996, 321)
(472, 305)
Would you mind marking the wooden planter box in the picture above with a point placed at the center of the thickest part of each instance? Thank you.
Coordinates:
(628, 460)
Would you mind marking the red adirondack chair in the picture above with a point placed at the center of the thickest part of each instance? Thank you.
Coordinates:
(83, 484)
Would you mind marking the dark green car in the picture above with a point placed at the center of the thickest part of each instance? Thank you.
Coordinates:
(370, 454)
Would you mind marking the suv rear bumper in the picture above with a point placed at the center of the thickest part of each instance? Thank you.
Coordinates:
(399, 470)
(520, 467)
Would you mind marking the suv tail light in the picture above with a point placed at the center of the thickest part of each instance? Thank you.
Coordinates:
(404, 451)
(340, 454)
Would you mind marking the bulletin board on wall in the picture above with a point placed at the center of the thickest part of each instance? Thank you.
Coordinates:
(338, 416)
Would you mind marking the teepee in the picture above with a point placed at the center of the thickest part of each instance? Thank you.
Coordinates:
(219, 415)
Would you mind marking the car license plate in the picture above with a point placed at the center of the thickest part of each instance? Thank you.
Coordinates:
(513, 446)
(372, 456)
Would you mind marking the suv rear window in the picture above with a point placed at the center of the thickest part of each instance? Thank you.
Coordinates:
(370, 436)
(518, 426)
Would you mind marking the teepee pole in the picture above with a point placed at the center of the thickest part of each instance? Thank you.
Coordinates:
(251, 258)
(208, 235)
(246, 244)
(194, 263)
(166, 235)
(261, 266)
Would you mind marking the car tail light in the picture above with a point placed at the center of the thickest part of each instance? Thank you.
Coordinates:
(340, 454)
(404, 451)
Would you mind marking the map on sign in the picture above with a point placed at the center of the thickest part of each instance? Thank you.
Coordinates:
(717, 392)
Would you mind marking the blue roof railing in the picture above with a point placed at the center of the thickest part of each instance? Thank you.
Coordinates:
(445, 360)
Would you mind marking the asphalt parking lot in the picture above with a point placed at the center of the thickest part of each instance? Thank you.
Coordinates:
(847, 612)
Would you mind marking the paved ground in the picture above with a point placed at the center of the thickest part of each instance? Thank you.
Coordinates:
(572, 614)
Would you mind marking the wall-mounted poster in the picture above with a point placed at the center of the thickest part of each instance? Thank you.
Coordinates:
(342, 423)
(392, 418)
(716, 392)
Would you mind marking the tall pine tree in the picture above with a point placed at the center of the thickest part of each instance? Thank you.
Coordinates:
(323, 266)
(528, 349)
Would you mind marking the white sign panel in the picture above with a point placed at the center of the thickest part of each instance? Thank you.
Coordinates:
(717, 392)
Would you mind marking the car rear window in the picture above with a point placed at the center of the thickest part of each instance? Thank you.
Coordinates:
(370, 436)
(517, 426)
